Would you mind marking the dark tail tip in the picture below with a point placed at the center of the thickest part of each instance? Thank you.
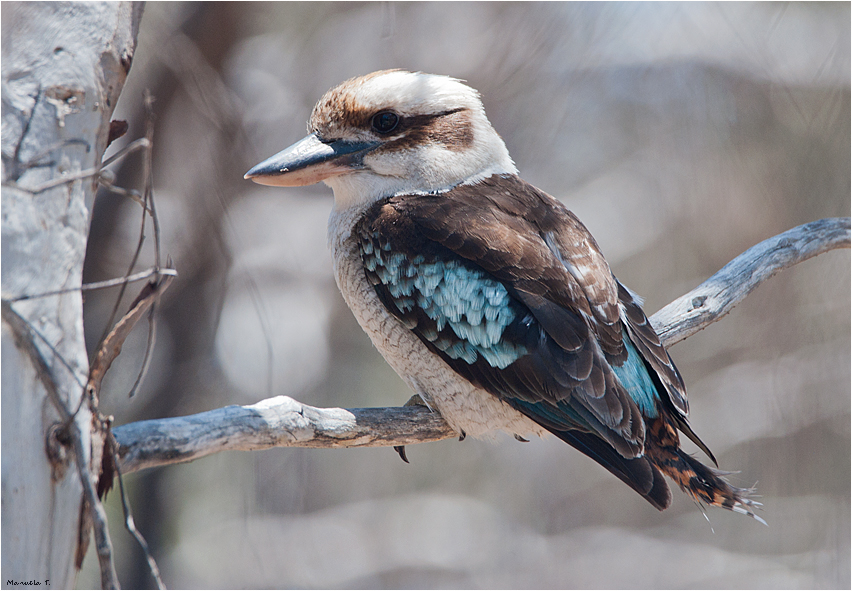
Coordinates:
(638, 473)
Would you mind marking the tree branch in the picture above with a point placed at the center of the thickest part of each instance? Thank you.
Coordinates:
(274, 422)
(284, 422)
(717, 296)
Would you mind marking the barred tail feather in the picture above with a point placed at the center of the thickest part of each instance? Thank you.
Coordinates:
(704, 484)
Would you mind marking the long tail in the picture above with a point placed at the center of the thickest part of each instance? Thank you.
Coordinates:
(704, 484)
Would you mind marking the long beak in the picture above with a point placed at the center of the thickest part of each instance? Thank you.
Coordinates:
(310, 161)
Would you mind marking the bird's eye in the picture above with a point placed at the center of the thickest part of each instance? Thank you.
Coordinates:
(385, 122)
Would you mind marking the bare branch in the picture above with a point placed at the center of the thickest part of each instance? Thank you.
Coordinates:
(717, 296)
(110, 347)
(147, 202)
(129, 523)
(274, 422)
(99, 284)
(284, 422)
(142, 143)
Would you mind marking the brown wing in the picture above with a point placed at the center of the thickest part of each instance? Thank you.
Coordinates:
(530, 244)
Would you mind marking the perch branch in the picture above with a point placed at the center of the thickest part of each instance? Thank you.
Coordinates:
(274, 422)
(717, 296)
(284, 422)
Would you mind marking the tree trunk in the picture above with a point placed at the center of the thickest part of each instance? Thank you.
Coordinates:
(64, 65)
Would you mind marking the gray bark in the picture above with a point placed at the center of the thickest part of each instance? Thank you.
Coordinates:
(64, 65)
(284, 422)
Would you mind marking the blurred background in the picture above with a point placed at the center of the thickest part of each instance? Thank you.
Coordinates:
(681, 134)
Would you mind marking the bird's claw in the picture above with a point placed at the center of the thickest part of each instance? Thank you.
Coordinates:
(400, 449)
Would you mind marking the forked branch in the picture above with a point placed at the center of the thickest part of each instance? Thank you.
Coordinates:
(284, 422)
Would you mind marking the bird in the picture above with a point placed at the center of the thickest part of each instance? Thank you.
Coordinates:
(487, 296)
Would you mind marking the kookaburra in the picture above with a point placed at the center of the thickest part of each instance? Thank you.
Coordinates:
(486, 295)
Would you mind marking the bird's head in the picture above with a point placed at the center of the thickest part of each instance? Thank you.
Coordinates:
(391, 132)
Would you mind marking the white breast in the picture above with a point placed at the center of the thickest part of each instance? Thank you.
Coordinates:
(465, 407)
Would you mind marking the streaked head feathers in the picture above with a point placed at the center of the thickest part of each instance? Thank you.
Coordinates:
(391, 132)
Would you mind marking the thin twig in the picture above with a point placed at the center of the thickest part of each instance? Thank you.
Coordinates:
(149, 352)
(129, 523)
(149, 175)
(99, 284)
(113, 339)
(110, 347)
(103, 544)
(146, 143)
(149, 200)
(53, 183)
(83, 174)
(132, 194)
(132, 278)
(142, 143)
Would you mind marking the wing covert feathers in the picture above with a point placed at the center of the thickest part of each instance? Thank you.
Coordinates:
(508, 287)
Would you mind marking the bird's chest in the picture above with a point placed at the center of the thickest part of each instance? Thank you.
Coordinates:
(466, 408)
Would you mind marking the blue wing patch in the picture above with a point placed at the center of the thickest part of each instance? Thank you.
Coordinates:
(474, 307)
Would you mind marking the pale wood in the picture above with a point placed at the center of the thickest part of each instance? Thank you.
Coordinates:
(275, 422)
(63, 67)
(284, 422)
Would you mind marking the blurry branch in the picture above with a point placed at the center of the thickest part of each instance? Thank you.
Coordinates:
(284, 422)
(204, 86)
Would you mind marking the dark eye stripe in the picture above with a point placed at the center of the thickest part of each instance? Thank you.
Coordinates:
(424, 120)
(451, 129)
